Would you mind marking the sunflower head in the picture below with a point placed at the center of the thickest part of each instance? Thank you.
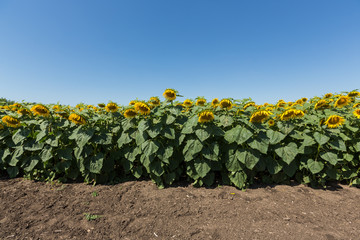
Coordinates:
(260, 116)
(77, 119)
(170, 94)
(130, 113)
(356, 113)
(321, 104)
(101, 105)
(304, 99)
(188, 103)
(154, 101)
(249, 105)
(299, 113)
(334, 121)
(201, 102)
(281, 104)
(226, 104)
(142, 108)
(56, 107)
(11, 121)
(356, 105)
(215, 102)
(111, 107)
(288, 114)
(299, 102)
(40, 110)
(132, 102)
(353, 94)
(271, 122)
(206, 116)
(328, 95)
(342, 101)
(24, 111)
(62, 114)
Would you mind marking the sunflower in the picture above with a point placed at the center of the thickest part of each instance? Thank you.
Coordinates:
(62, 114)
(170, 94)
(299, 113)
(260, 116)
(342, 101)
(328, 95)
(154, 101)
(111, 107)
(132, 102)
(299, 102)
(288, 114)
(353, 94)
(334, 121)
(356, 113)
(215, 102)
(24, 111)
(188, 103)
(130, 113)
(271, 122)
(1, 126)
(11, 121)
(304, 99)
(89, 106)
(101, 105)
(77, 119)
(281, 104)
(206, 116)
(56, 107)
(249, 105)
(321, 104)
(226, 103)
(200, 102)
(142, 108)
(356, 105)
(322, 121)
(40, 110)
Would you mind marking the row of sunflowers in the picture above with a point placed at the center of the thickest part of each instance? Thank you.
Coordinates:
(233, 141)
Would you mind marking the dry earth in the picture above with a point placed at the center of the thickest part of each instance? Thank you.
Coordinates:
(138, 210)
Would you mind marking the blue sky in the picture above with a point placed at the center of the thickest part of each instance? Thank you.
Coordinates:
(95, 51)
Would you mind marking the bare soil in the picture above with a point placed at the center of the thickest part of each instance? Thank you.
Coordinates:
(138, 210)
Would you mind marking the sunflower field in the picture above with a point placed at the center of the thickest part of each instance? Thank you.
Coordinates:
(227, 141)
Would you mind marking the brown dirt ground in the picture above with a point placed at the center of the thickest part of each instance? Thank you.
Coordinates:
(138, 210)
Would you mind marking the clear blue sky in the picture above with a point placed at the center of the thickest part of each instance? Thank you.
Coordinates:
(95, 51)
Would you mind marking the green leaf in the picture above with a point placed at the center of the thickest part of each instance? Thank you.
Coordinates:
(46, 154)
(202, 134)
(170, 119)
(137, 171)
(357, 147)
(237, 134)
(274, 136)
(308, 141)
(149, 147)
(33, 145)
(96, 163)
(251, 159)
(285, 127)
(315, 166)
(168, 133)
(84, 136)
(16, 156)
(291, 169)
(124, 139)
(143, 125)
(288, 152)
(65, 153)
(131, 153)
(12, 171)
(226, 121)
(32, 164)
(140, 137)
(193, 146)
(214, 130)
(238, 179)
(20, 135)
(321, 138)
(4, 133)
(155, 130)
(157, 168)
(41, 135)
(338, 144)
(273, 166)
(330, 157)
(211, 152)
(202, 167)
(103, 138)
(262, 146)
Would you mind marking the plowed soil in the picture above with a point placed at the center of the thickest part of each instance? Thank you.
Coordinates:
(138, 210)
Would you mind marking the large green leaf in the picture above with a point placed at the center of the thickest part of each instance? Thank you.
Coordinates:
(202, 134)
(193, 146)
(274, 136)
(226, 121)
(202, 167)
(12, 171)
(154, 130)
(321, 138)
(32, 145)
(96, 163)
(288, 152)
(168, 132)
(259, 144)
(237, 134)
(157, 168)
(46, 154)
(65, 153)
(16, 156)
(143, 125)
(21, 135)
(124, 139)
(330, 157)
(315, 166)
(238, 179)
(338, 144)
(211, 152)
(273, 166)
(149, 148)
(31, 164)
